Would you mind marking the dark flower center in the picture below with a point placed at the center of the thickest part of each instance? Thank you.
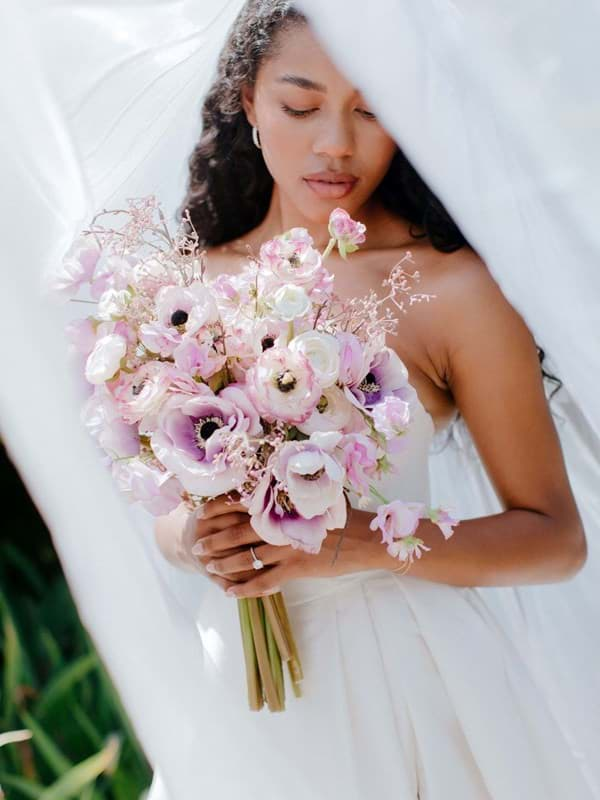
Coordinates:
(369, 384)
(323, 404)
(283, 499)
(294, 260)
(268, 341)
(137, 387)
(314, 476)
(179, 317)
(204, 428)
(286, 381)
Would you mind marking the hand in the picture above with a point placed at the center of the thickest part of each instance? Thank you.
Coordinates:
(357, 548)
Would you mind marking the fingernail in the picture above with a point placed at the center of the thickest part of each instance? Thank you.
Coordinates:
(198, 548)
(231, 591)
(211, 567)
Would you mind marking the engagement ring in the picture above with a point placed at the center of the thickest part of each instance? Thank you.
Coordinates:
(257, 563)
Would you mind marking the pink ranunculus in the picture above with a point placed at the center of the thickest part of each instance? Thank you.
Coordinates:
(158, 491)
(159, 339)
(312, 478)
(274, 518)
(359, 456)
(191, 434)
(105, 358)
(334, 412)
(142, 392)
(100, 415)
(283, 386)
(291, 258)
(346, 231)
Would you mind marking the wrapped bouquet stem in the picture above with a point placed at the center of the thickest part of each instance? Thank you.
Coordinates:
(265, 383)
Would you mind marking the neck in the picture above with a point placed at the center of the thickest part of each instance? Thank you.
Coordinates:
(382, 226)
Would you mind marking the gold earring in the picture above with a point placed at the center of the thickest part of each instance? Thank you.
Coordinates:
(255, 138)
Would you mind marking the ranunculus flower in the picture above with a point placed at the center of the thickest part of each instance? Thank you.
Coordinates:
(312, 478)
(291, 258)
(334, 412)
(191, 434)
(347, 232)
(159, 339)
(158, 491)
(100, 415)
(113, 303)
(359, 456)
(283, 386)
(323, 352)
(142, 392)
(275, 519)
(290, 302)
(105, 359)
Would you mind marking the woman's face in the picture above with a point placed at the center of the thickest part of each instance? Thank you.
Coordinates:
(320, 141)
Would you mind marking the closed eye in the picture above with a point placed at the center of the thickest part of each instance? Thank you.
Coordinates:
(297, 112)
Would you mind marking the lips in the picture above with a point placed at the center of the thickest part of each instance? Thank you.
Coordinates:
(331, 184)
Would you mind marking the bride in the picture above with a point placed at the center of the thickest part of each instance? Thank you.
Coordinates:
(391, 708)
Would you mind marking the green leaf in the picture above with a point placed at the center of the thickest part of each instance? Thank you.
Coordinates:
(85, 773)
(49, 751)
(23, 785)
(64, 682)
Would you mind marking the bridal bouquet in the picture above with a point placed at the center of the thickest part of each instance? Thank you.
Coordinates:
(264, 383)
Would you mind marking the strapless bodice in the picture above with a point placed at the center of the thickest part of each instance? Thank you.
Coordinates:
(409, 481)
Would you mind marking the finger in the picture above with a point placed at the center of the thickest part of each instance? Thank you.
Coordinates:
(205, 528)
(220, 505)
(269, 581)
(229, 537)
(267, 553)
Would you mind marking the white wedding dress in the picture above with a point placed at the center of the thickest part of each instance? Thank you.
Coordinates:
(411, 688)
(410, 685)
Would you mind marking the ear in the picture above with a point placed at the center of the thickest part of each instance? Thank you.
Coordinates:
(247, 98)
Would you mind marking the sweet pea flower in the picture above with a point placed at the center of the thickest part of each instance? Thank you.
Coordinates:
(191, 434)
(100, 416)
(197, 358)
(158, 491)
(312, 478)
(105, 359)
(323, 352)
(282, 385)
(398, 522)
(391, 416)
(346, 232)
(359, 457)
(444, 519)
(276, 520)
(76, 268)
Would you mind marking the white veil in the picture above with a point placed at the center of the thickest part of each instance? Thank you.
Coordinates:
(495, 104)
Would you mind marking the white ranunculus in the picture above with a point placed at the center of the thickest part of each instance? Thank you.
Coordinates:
(322, 351)
(113, 303)
(290, 302)
(105, 358)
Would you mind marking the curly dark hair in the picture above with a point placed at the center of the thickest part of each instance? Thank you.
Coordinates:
(229, 186)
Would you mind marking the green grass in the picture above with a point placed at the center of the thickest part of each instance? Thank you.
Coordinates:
(76, 740)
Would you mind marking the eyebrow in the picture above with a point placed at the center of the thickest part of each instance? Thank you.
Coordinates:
(302, 83)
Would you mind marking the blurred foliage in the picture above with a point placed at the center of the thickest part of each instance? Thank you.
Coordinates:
(63, 731)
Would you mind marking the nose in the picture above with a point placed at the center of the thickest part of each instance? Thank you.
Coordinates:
(335, 137)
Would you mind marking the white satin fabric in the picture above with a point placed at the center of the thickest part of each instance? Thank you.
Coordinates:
(496, 104)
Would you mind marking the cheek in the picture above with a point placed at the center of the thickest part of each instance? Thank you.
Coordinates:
(377, 150)
(285, 146)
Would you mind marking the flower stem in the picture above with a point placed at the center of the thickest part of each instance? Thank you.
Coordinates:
(274, 658)
(328, 249)
(255, 697)
(262, 654)
(279, 631)
(294, 665)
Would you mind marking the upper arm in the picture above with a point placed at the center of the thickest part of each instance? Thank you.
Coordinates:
(494, 374)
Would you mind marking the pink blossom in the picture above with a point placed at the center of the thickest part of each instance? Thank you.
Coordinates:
(359, 456)
(397, 519)
(186, 308)
(354, 361)
(142, 392)
(444, 520)
(112, 272)
(77, 266)
(282, 385)
(192, 432)
(391, 416)
(158, 491)
(275, 519)
(291, 258)
(347, 232)
(199, 359)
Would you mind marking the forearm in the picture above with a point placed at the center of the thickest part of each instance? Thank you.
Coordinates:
(513, 547)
